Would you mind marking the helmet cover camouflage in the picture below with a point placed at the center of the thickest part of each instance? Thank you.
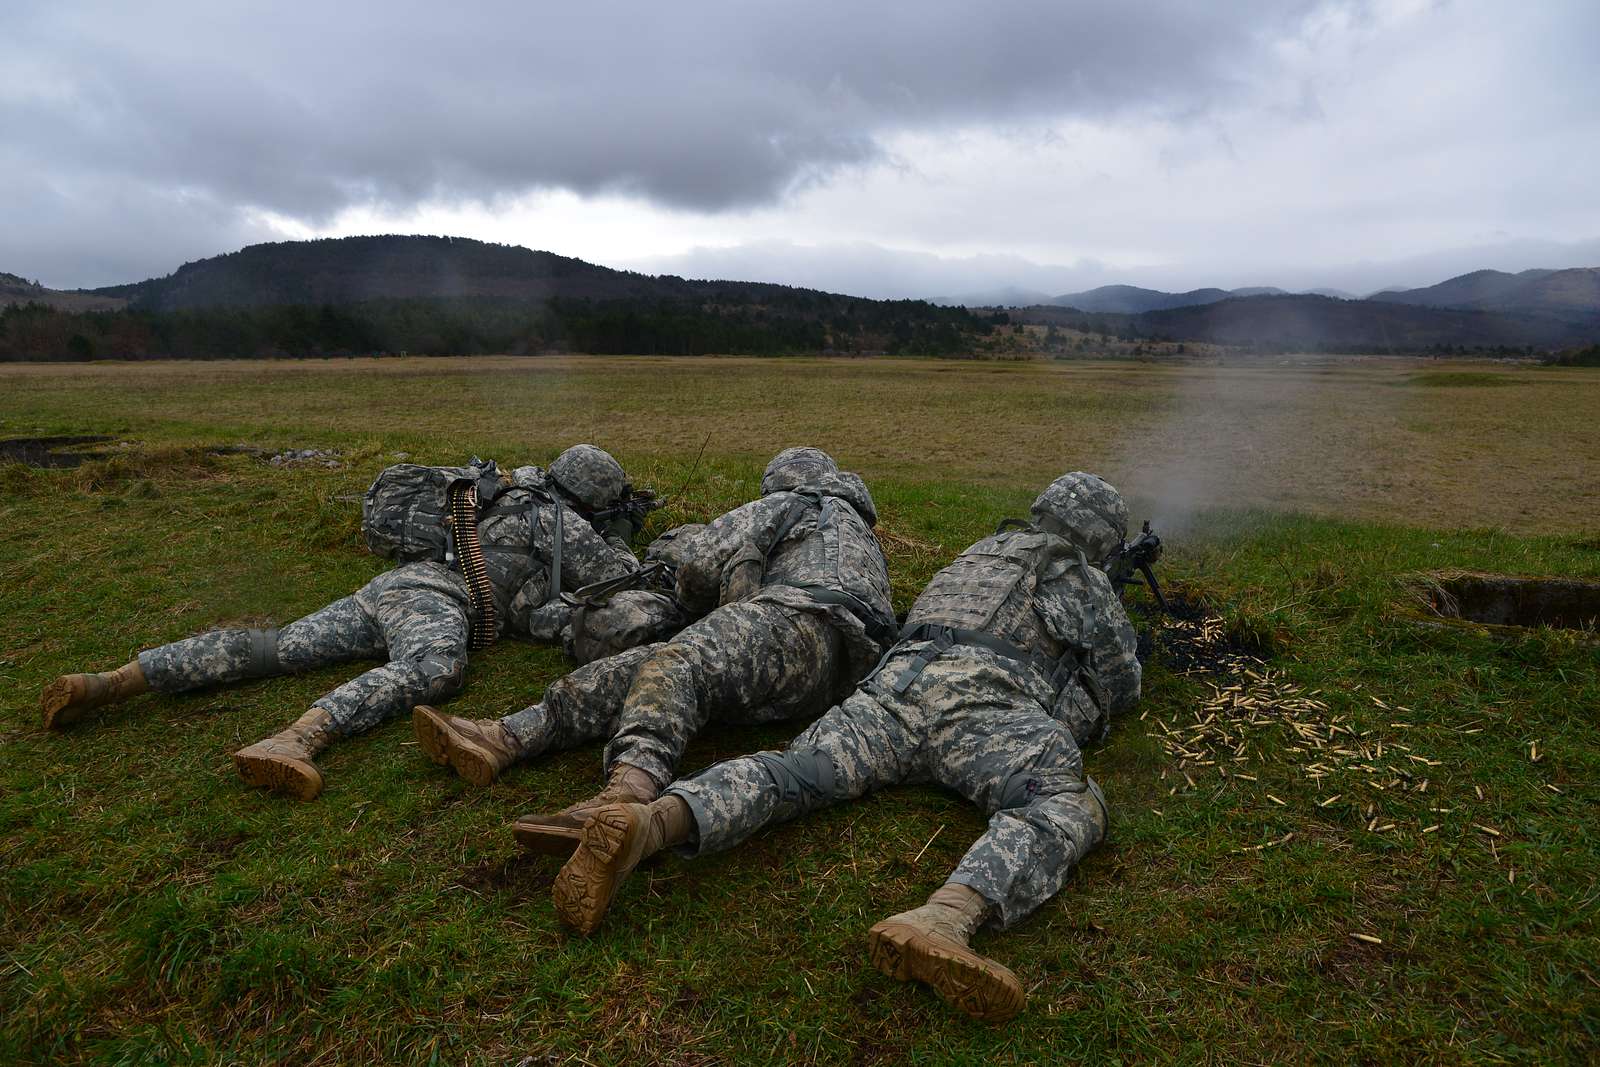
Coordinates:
(794, 467)
(590, 476)
(1086, 510)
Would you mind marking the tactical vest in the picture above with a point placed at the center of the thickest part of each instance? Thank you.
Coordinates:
(986, 599)
(989, 588)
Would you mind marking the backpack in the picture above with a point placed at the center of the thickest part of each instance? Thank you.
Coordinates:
(403, 515)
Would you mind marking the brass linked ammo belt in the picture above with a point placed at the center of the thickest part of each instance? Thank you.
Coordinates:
(481, 622)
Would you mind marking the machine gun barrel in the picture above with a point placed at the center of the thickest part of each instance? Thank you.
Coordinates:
(640, 502)
(1135, 561)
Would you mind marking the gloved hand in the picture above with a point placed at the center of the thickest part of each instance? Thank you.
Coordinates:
(624, 526)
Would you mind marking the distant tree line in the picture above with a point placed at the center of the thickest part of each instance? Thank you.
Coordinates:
(465, 326)
(1576, 357)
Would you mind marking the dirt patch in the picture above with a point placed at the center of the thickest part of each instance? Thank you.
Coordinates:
(50, 451)
(1505, 603)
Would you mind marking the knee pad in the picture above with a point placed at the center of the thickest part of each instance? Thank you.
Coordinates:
(263, 655)
(804, 777)
(442, 675)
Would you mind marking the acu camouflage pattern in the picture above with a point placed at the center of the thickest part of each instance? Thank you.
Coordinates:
(780, 653)
(813, 537)
(415, 616)
(637, 615)
(751, 662)
(517, 532)
(797, 590)
(579, 707)
(589, 475)
(1084, 509)
(994, 729)
(744, 664)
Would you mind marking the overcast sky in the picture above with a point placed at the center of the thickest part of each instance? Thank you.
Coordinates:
(918, 149)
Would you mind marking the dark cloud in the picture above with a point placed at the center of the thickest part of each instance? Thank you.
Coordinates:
(168, 120)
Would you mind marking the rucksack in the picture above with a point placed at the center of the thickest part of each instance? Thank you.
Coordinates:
(403, 513)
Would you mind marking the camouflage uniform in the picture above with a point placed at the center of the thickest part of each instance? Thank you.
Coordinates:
(804, 612)
(1001, 725)
(416, 615)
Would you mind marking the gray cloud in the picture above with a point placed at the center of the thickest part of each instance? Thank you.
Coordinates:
(1254, 142)
(712, 106)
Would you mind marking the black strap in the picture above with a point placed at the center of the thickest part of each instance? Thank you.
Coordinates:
(1059, 670)
(554, 591)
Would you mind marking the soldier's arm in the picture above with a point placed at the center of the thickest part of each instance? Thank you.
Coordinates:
(742, 537)
(1084, 609)
(588, 556)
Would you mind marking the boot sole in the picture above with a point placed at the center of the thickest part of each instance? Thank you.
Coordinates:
(589, 882)
(546, 839)
(56, 705)
(290, 777)
(432, 733)
(977, 986)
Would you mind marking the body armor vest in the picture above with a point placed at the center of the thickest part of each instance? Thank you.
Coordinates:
(989, 589)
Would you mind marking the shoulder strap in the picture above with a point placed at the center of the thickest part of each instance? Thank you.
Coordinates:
(554, 591)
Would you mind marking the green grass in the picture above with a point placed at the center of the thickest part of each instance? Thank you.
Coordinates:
(154, 910)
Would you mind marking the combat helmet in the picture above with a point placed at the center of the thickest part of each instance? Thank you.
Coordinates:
(1084, 509)
(795, 467)
(590, 476)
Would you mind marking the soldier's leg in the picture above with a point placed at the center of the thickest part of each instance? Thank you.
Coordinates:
(748, 661)
(579, 707)
(582, 706)
(422, 620)
(425, 631)
(1024, 769)
(340, 632)
(856, 747)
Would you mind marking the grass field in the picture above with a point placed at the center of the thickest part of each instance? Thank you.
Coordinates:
(152, 909)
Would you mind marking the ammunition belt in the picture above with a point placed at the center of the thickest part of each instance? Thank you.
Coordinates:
(481, 623)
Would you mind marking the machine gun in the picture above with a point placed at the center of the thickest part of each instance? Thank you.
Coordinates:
(635, 506)
(1134, 561)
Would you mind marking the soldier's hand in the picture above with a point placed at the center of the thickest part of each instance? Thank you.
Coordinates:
(625, 526)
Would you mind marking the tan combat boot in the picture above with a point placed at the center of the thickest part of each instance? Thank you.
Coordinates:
(282, 762)
(616, 840)
(72, 696)
(558, 834)
(929, 944)
(478, 750)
